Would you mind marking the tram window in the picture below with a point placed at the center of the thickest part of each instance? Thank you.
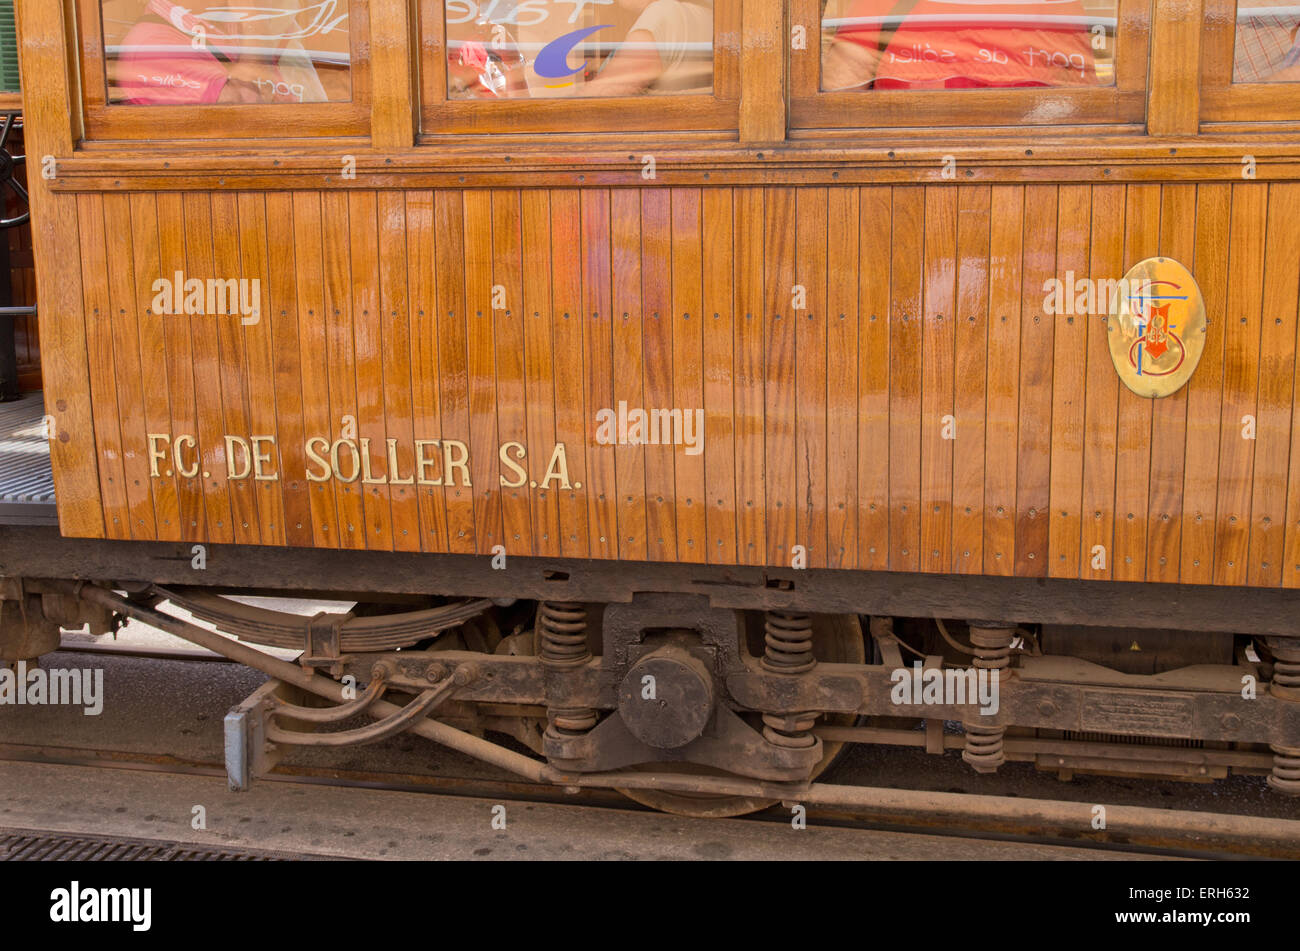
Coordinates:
(163, 53)
(967, 44)
(536, 49)
(1267, 45)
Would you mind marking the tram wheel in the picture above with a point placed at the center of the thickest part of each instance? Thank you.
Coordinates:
(837, 639)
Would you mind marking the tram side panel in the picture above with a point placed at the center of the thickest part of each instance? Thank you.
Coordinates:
(565, 373)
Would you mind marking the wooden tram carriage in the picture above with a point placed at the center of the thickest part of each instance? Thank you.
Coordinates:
(460, 302)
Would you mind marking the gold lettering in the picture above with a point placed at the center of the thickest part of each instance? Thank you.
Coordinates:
(260, 457)
(521, 476)
(422, 461)
(451, 463)
(392, 465)
(231, 443)
(366, 476)
(156, 455)
(177, 455)
(318, 459)
(334, 460)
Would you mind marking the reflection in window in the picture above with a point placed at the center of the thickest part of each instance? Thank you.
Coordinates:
(578, 48)
(161, 53)
(1267, 47)
(964, 44)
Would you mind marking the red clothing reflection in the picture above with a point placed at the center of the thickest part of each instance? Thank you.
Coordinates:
(955, 44)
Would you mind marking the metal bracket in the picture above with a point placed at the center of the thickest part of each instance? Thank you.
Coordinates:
(323, 647)
(249, 754)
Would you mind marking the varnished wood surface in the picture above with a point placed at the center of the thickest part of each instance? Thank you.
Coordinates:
(880, 383)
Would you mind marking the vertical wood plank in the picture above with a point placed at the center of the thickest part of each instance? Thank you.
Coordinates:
(313, 343)
(122, 309)
(657, 366)
(538, 363)
(842, 377)
(1133, 462)
(208, 397)
(721, 322)
(629, 460)
(282, 302)
(875, 238)
(1070, 359)
(571, 416)
(1246, 233)
(688, 361)
(368, 343)
(103, 382)
(1034, 429)
(938, 353)
(234, 365)
(598, 345)
(762, 72)
(1169, 414)
(512, 397)
(395, 328)
(751, 321)
(811, 329)
(1277, 365)
(1205, 388)
(970, 363)
(426, 369)
(1173, 94)
(779, 471)
(260, 349)
(454, 384)
(180, 374)
(1101, 397)
(484, 467)
(157, 403)
(905, 342)
(1006, 240)
(340, 357)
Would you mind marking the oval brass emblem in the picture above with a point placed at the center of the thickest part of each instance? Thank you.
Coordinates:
(1157, 331)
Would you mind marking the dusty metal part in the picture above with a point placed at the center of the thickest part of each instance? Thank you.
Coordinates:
(25, 632)
(992, 645)
(327, 636)
(40, 552)
(1137, 650)
(315, 683)
(667, 698)
(1286, 667)
(390, 725)
(562, 633)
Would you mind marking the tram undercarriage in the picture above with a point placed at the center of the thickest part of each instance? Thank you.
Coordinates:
(690, 704)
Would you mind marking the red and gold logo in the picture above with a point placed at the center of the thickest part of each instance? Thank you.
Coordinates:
(1157, 332)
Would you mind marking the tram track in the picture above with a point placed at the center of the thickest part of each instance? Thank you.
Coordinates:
(1163, 843)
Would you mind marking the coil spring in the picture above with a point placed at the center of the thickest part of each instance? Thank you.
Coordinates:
(1286, 770)
(789, 642)
(564, 633)
(791, 731)
(983, 747)
(992, 647)
(1286, 661)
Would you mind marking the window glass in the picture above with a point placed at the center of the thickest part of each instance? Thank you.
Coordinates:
(967, 44)
(1267, 49)
(161, 53)
(536, 49)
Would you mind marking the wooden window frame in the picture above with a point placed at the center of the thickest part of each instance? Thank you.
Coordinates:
(1038, 108)
(718, 112)
(105, 121)
(1222, 100)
